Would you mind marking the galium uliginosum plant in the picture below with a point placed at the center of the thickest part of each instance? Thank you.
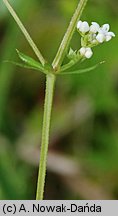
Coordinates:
(91, 35)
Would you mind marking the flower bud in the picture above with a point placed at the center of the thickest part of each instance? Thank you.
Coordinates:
(82, 51)
(83, 26)
(86, 52)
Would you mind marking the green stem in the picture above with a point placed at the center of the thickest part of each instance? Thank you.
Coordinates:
(67, 66)
(49, 98)
(24, 31)
(70, 64)
(50, 81)
(68, 35)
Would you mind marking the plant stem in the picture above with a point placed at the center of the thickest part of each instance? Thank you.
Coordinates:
(68, 35)
(24, 31)
(70, 64)
(50, 81)
(49, 98)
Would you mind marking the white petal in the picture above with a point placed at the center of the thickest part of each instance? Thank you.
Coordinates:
(111, 34)
(108, 38)
(106, 27)
(79, 24)
(96, 25)
(82, 51)
(100, 38)
(84, 27)
(101, 31)
(93, 29)
(88, 53)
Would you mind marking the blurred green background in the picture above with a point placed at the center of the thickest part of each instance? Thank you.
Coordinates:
(83, 150)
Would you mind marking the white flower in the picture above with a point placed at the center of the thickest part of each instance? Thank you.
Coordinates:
(104, 34)
(86, 52)
(83, 26)
(95, 34)
(94, 28)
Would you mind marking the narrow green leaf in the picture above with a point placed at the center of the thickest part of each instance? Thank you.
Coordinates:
(30, 62)
(21, 65)
(81, 70)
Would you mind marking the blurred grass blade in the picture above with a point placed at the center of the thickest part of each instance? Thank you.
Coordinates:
(82, 70)
(30, 62)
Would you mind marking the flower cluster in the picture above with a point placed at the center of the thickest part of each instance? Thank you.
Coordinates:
(92, 36)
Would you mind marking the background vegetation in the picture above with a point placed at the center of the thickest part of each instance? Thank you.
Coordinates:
(83, 151)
